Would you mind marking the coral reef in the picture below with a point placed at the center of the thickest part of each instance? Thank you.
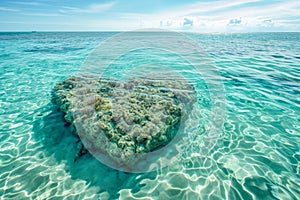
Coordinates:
(124, 119)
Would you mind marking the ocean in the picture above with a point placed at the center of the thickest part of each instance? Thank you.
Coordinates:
(256, 154)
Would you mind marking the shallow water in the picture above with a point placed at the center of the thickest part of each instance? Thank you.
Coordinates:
(256, 156)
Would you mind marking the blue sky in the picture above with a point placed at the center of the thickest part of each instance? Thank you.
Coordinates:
(188, 15)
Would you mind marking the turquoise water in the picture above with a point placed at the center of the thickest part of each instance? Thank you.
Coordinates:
(257, 155)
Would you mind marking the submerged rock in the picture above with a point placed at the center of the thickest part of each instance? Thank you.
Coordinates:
(124, 120)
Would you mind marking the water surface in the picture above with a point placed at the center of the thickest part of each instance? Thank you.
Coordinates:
(257, 155)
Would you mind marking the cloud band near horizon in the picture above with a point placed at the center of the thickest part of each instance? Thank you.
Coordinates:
(191, 15)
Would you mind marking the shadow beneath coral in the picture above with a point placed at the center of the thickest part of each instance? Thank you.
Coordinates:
(60, 141)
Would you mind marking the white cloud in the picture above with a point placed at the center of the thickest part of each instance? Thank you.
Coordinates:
(221, 16)
(43, 14)
(209, 16)
(205, 7)
(188, 22)
(8, 9)
(234, 22)
(276, 10)
(93, 8)
(29, 3)
(267, 23)
(166, 23)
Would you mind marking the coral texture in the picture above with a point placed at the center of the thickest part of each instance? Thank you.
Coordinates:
(124, 119)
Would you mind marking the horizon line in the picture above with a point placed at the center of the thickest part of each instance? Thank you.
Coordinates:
(141, 30)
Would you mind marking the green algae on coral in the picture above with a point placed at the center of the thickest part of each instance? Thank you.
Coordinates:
(136, 117)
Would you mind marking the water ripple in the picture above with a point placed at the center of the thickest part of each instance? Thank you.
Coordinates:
(256, 157)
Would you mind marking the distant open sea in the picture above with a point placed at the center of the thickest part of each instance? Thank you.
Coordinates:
(257, 155)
